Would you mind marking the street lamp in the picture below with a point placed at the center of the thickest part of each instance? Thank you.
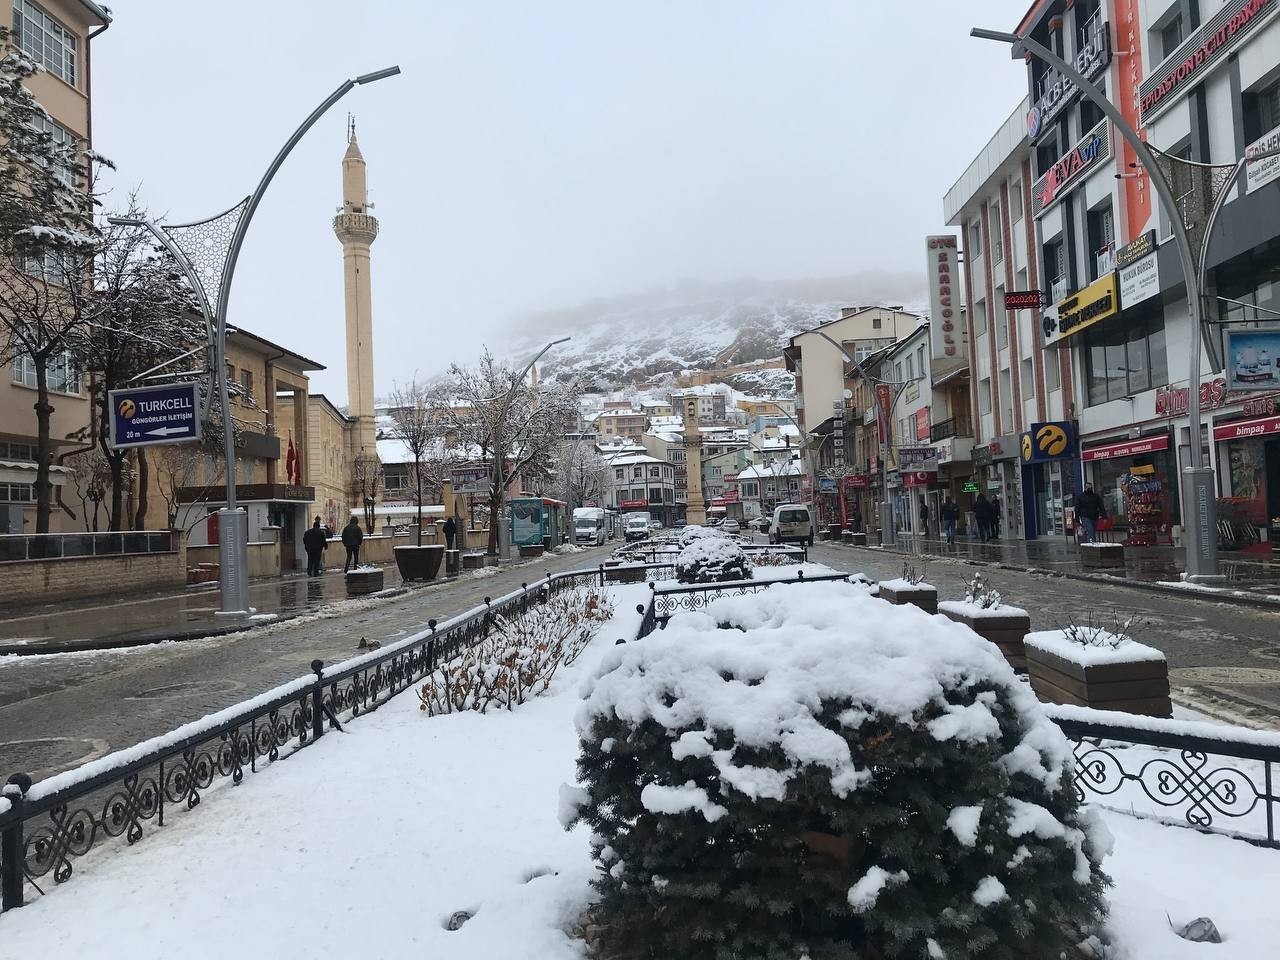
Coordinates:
(504, 534)
(207, 251)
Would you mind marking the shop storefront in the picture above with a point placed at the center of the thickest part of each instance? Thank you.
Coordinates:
(1138, 482)
(998, 476)
(1248, 457)
(1048, 452)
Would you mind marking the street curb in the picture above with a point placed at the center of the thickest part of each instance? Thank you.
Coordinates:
(1244, 600)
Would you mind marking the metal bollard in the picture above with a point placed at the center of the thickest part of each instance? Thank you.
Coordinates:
(317, 701)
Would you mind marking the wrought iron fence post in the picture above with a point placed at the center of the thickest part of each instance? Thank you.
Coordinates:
(488, 616)
(602, 574)
(317, 701)
(11, 844)
(431, 649)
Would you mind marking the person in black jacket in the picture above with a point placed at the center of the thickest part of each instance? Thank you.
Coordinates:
(314, 541)
(450, 531)
(982, 514)
(352, 537)
(950, 514)
(1089, 508)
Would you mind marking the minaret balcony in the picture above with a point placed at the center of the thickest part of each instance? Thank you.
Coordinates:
(356, 227)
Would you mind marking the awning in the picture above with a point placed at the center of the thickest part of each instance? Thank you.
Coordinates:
(1242, 429)
(401, 510)
(1129, 448)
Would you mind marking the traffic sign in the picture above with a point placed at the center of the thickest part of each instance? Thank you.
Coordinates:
(146, 416)
(1024, 299)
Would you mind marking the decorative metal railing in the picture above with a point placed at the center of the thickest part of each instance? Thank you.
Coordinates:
(660, 553)
(46, 827)
(19, 547)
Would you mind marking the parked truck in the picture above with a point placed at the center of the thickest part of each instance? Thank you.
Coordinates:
(588, 526)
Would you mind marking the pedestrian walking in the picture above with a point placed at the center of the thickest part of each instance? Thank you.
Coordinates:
(450, 531)
(924, 517)
(950, 516)
(314, 541)
(1090, 509)
(996, 516)
(855, 518)
(352, 537)
(982, 514)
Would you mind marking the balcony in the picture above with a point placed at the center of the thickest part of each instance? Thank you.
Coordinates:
(955, 427)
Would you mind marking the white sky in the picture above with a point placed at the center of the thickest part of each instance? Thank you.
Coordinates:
(534, 155)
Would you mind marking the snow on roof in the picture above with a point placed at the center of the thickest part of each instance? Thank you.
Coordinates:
(791, 468)
(634, 458)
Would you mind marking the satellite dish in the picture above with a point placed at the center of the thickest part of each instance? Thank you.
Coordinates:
(848, 394)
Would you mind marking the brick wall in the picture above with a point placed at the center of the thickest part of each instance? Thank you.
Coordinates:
(68, 578)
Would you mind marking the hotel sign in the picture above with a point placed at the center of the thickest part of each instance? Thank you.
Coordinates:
(1201, 52)
(1059, 92)
(1093, 304)
(942, 269)
(1092, 151)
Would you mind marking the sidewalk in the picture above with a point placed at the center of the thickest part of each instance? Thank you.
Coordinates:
(1250, 575)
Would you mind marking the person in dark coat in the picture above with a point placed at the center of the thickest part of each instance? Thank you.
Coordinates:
(855, 519)
(1090, 509)
(450, 531)
(950, 515)
(924, 517)
(314, 541)
(982, 514)
(352, 537)
(996, 515)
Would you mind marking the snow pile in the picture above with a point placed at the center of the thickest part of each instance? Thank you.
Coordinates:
(1108, 648)
(975, 611)
(695, 532)
(725, 738)
(712, 560)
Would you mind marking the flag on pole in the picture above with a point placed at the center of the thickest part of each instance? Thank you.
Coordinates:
(291, 471)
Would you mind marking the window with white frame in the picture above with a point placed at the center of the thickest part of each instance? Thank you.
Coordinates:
(1052, 372)
(984, 395)
(62, 374)
(1001, 320)
(17, 493)
(975, 239)
(997, 234)
(45, 40)
(45, 265)
(1015, 199)
(64, 140)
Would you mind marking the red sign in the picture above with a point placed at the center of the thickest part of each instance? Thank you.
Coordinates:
(1023, 299)
(1130, 448)
(1171, 402)
(632, 504)
(922, 423)
(918, 478)
(730, 496)
(885, 397)
(1247, 428)
(1137, 184)
(858, 480)
(944, 293)
(1069, 168)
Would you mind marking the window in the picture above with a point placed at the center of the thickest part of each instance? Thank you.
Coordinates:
(617, 473)
(1090, 113)
(655, 494)
(984, 395)
(61, 374)
(1006, 398)
(997, 234)
(980, 318)
(1102, 242)
(45, 40)
(920, 359)
(246, 381)
(1002, 320)
(975, 239)
(1015, 200)
(637, 473)
(17, 493)
(65, 142)
(1261, 111)
(1027, 379)
(1046, 156)
(654, 471)
(897, 371)
(45, 265)
(1122, 360)
(911, 367)
(875, 323)
(21, 452)
(1052, 371)
(1169, 36)
(1055, 268)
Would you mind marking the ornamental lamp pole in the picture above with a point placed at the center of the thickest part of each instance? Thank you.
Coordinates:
(1198, 483)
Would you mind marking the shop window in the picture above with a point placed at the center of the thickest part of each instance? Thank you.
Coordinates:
(1125, 359)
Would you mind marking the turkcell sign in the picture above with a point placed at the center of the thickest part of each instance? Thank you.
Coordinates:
(146, 416)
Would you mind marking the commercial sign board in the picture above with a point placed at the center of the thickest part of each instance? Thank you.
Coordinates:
(1024, 299)
(1139, 280)
(919, 478)
(912, 393)
(884, 397)
(147, 416)
(922, 423)
(907, 455)
(1056, 92)
(1001, 448)
(1258, 173)
(1093, 150)
(1174, 401)
(1131, 27)
(469, 480)
(1253, 360)
(943, 270)
(1083, 309)
(1129, 448)
(1139, 249)
(1204, 50)
(1048, 441)
(859, 481)
(632, 504)
(1244, 429)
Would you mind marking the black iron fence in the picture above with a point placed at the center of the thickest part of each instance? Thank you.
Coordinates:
(16, 548)
(46, 827)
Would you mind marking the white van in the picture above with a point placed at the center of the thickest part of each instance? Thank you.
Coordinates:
(588, 526)
(792, 522)
(635, 526)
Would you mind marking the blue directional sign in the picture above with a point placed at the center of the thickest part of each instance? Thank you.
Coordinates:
(145, 416)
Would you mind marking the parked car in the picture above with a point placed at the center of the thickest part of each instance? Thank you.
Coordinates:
(714, 521)
(731, 526)
(680, 523)
(655, 524)
(759, 523)
(792, 522)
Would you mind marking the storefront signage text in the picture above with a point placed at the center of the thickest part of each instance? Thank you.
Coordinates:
(1139, 281)
(944, 292)
(1173, 401)
(1058, 90)
(1093, 304)
(908, 455)
(1201, 51)
(1093, 148)
(1024, 299)
(1244, 429)
(1131, 448)
(1260, 407)
(922, 423)
(858, 480)
(1132, 252)
(1258, 173)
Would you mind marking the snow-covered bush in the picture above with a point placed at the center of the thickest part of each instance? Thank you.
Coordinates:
(810, 772)
(695, 532)
(712, 560)
(519, 657)
(1100, 633)
(978, 593)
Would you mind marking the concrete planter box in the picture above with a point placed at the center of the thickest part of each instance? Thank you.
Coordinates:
(1006, 627)
(452, 562)
(856, 539)
(904, 593)
(532, 550)
(615, 572)
(473, 561)
(1104, 680)
(1099, 556)
(362, 582)
(419, 563)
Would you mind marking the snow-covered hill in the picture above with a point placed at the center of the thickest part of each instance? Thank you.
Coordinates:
(647, 340)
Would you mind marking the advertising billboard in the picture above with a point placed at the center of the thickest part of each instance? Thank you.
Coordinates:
(1253, 359)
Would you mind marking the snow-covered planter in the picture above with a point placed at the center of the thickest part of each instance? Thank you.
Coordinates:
(1092, 667)
(364, 580)
(617, 571)
(986, 614)
(910, 588)
(1095, 556)
(809, 772)
(712, 560)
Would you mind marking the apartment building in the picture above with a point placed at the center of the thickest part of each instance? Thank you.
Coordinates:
(624, 422)
(56, 34)
(638, 481)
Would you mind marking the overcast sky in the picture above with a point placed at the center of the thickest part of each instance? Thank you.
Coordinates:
(534, 155)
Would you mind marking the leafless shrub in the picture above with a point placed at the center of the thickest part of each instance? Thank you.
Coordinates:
(979, 593)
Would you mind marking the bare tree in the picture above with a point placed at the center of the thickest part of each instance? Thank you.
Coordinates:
(514, 426)
(583, 474)
(366, 475)
(178, 467)
(91, 477)
(421, 426)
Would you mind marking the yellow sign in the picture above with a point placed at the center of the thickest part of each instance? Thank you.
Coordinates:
(1081, 310)
(1140, 471)
(127, 409)
(1052, 439)
(1026, 447)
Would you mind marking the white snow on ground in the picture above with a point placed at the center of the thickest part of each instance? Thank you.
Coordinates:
(974, 611)
(365, 843)
(900, 583)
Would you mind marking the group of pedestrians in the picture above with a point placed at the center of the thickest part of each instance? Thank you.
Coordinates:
(316, 540)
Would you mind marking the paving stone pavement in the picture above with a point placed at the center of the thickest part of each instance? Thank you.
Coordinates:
(1224, 658)
(62, 710)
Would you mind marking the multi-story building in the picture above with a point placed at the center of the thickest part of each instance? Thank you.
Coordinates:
(622, 423)
(638, 481)
(711, 402)
(56, 34)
